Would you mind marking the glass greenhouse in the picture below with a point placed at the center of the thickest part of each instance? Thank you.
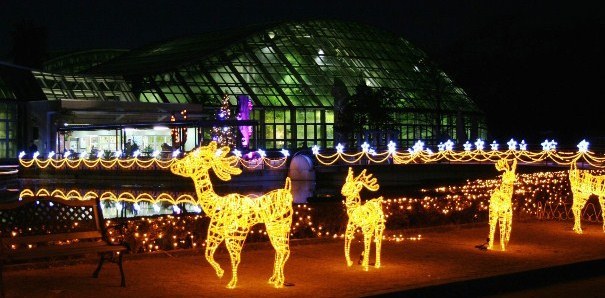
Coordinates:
(287, 69)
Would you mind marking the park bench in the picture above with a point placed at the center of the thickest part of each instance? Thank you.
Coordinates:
(49, 229)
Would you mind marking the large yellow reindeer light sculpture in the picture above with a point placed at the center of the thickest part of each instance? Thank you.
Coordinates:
(500, 204)
(233, 215)
(583, 185)
(368, 216)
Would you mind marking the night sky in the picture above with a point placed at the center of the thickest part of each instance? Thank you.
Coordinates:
(535, 67)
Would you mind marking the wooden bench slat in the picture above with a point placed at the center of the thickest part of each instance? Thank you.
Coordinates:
(8, 241)
(59, 251)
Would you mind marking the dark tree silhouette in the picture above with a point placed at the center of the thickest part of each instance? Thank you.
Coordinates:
(342, 113)
(367, 110)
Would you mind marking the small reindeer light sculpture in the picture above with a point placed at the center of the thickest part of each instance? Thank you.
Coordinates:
(500, 204)
(367, 216)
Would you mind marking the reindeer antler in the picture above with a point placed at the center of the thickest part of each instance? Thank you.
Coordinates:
(199, 161)
(368, 181)
(222, 165)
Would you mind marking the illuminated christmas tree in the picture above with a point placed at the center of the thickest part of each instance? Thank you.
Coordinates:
(223, 135)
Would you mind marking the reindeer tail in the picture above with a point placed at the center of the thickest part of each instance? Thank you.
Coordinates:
(288, 185)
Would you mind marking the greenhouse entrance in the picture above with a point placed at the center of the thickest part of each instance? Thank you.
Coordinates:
(164, 137)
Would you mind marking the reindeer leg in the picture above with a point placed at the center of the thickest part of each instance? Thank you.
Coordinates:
(279, 235)
(509, 225)
(213, 240)
(235, 244)
(378, 239)
(367, 241)
(602, 203)
(493, 221)
(579, 200)
(349, 234)
(502, 218)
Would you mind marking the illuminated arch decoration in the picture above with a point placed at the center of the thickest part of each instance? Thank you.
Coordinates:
(500, 204)
(66, 163)
(419, 154)
(110, 196)
(583, 185)
(232, 216)
(368, 216)
(153, 163)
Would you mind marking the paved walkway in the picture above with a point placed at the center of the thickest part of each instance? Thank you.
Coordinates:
(444, 262)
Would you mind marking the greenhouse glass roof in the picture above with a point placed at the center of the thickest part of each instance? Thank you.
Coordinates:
(289, 64)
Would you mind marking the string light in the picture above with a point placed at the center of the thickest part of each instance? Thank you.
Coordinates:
(233, 215)
(110, 196)
(369, 217)
(418, 154)
(155, 162)
(542, 195)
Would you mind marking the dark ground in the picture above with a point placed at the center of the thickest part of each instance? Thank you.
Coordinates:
(542, 257)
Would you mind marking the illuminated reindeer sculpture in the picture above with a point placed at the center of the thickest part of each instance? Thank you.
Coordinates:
(233, 215)
(500, 204)
(368, 216)
(583, 185)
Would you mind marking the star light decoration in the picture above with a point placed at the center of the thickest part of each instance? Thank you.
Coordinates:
(479, 144)
(364, 147)
(512, 145)
(447, 146)
(522, 146)
(392, 147)
(339, 148)
(494, 146)
(417, 148)
(583, 146)
(549, 145)
(285, 152)
(315, 149)
(467, 146)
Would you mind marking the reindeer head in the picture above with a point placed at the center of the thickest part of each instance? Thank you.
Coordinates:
(503, 165)
(353, 185)
(201, 160)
